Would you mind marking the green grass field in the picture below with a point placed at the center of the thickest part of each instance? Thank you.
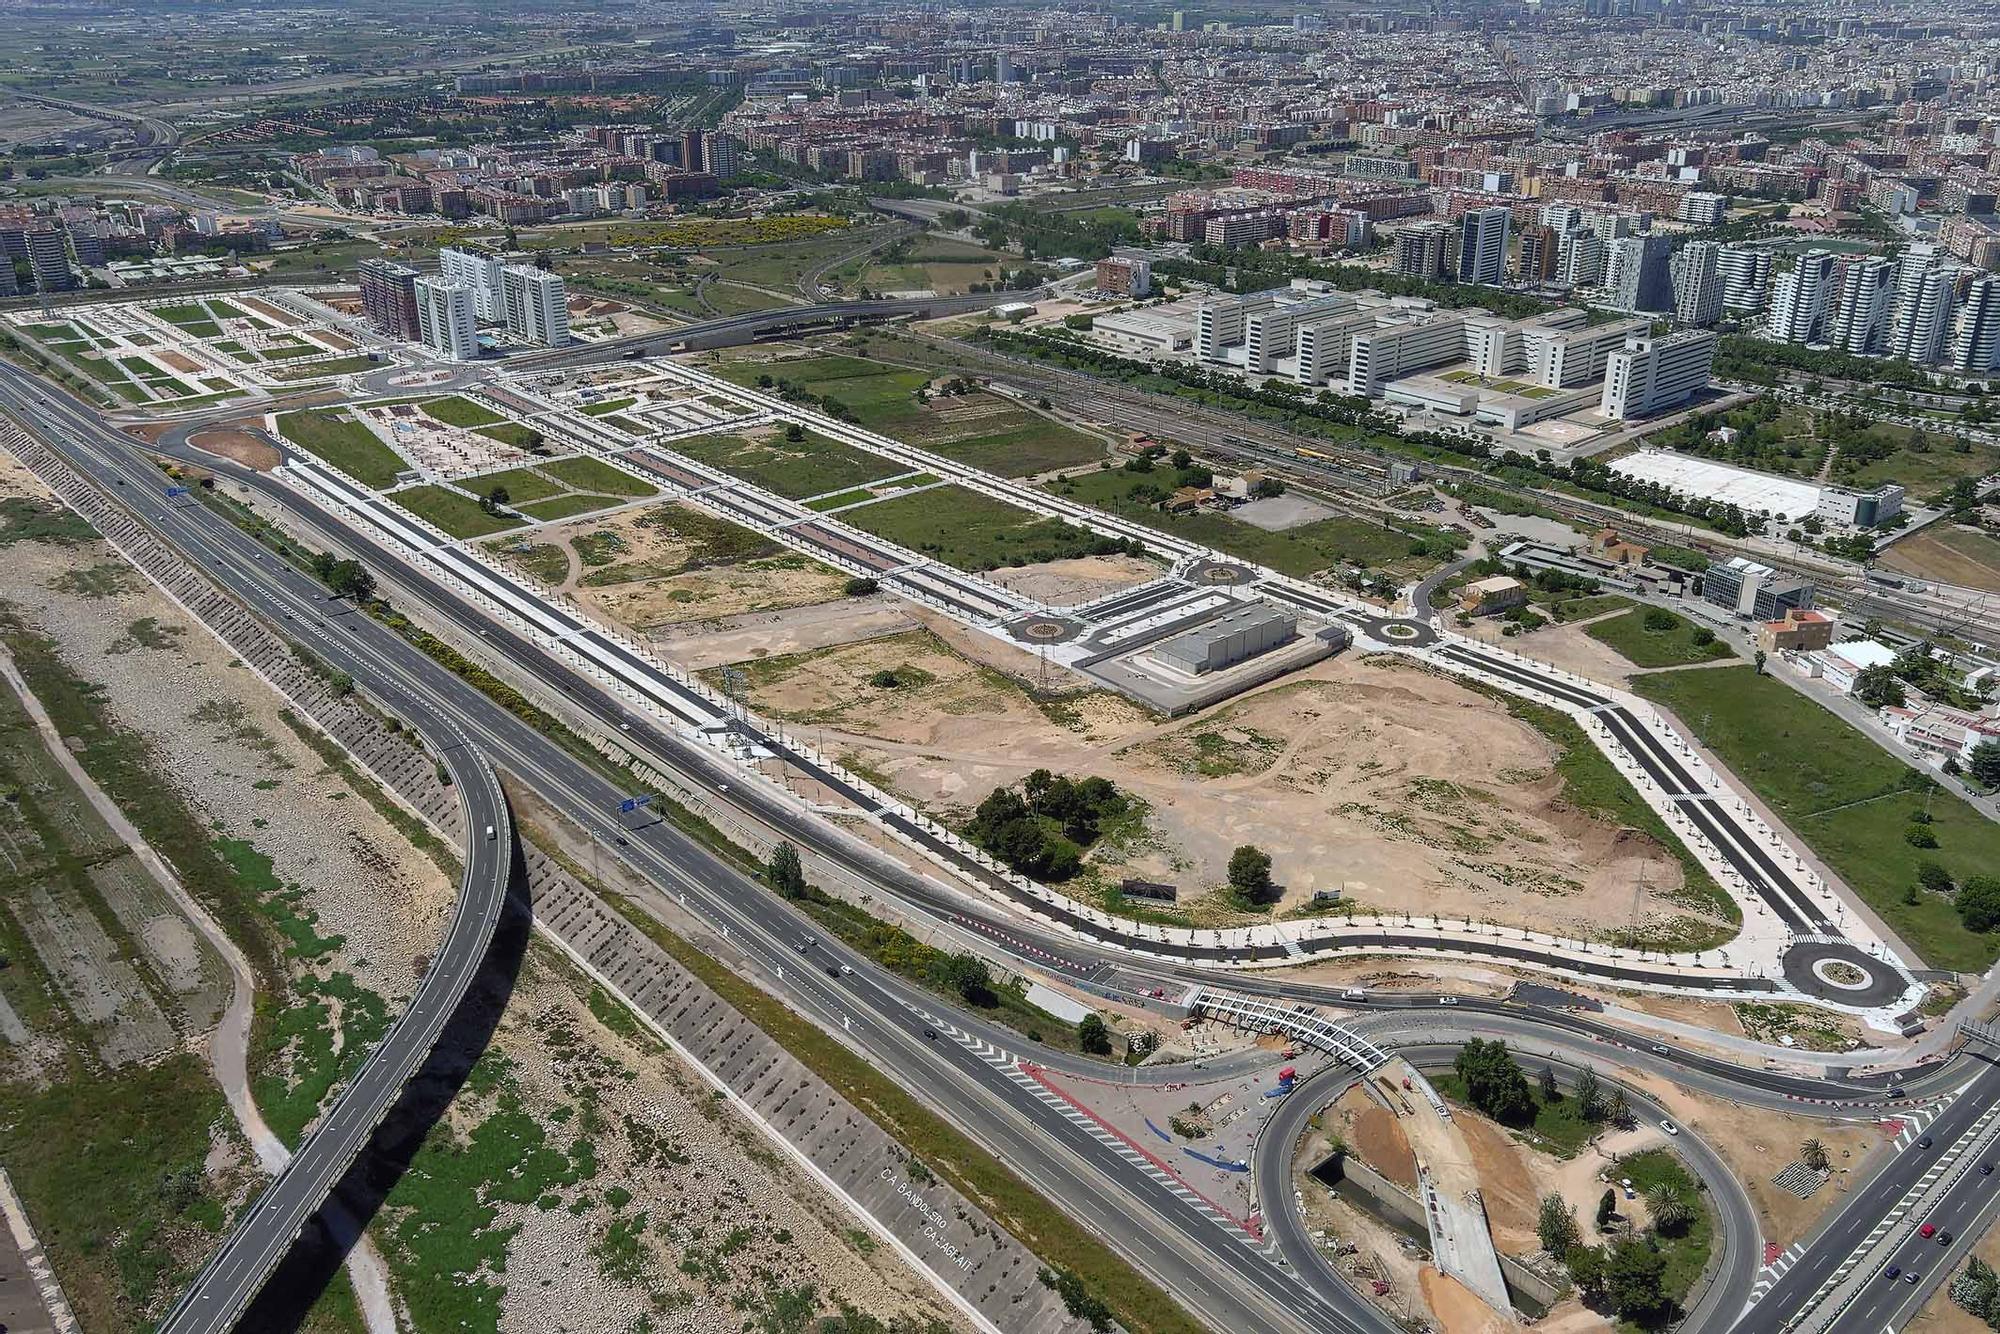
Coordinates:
(1297, 551)
(343, 442)
(521, 484)
(567, 506)
(970, 530)
(794, 469)
(1850, 800)
(1011, 441)
(461, 412)
(1673, 647)
(1687, 1254)
(458, 515)
(588, 474)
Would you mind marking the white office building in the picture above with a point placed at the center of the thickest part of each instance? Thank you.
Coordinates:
(479, 272)
(1651, 375)
(537, 305)
(1703, 208)
(1697, 277)
(447, 318)
(1799, 299)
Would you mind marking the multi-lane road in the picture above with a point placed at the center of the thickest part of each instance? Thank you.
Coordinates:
(1209, 1266)
(1206, 1265)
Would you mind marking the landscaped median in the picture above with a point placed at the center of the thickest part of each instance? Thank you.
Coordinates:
(1857, 807)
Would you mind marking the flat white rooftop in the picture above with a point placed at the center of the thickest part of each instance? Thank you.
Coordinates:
(1749, 491)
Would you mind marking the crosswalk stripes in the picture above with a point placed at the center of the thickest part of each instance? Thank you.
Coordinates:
(1775, 1270)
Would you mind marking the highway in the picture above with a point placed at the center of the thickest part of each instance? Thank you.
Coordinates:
(1204, 1264)
(263, 1235)
(1210, 1267)
(1842, 1230)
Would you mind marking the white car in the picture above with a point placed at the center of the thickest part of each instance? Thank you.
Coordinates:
(1670, 1127)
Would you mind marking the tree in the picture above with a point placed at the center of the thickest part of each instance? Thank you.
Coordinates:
(1586, 1270)
(1977, 1289)
(1546, 1082)
(350, 579)
(1758, 660)
(1878, 688)
(1493, 1081)
(1814, 1155)
(1635, 1282)
(1670, 1207)
(1620, 1113)
(1659, 620)
(965, 974)
(785, 872)
(1607, 1207)
(1979, 902)
(794, 432)
(1555, 1226)
(860, 587)
(1589, 1095)
(1250, 873)
(1092, 1036)
(1984, 763)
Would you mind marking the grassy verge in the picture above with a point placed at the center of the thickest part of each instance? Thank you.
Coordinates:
(1593, 783)
(973, 531)
(588, 474)
(1848, 799)
(1138, 1304)
(1686, 1254)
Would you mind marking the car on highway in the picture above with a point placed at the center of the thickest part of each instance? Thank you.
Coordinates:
(1944, 1238)
(930, 1034)
(1986, 1169)
(1894, 1272)
(1927, 1231)
(1924, 1143)
(1670, 1127)
(807, 944)
(1447, 1000)
(832, 970)
(1911, 1277)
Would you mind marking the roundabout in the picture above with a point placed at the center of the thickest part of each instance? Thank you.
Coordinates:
(1841, 973)
(1042, 629)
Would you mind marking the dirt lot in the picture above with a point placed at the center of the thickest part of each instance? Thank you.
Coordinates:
(1942, 1315)
(1403, 789)
(1953, 553)
(1065, 583)
(249, 450)
(655, 566)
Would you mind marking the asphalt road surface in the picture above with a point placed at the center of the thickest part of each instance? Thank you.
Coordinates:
(1210, 1268)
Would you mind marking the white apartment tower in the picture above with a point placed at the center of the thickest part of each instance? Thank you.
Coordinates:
(537, 305)
(447, 318)
(1697, 277)
(479, 272)
(1746, 279)
(1975, 344)
(1925, 299)
(1860, 320)
(1799, 299)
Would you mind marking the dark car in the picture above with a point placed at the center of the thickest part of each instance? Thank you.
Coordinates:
(1924, 1143)
(931, 1033)
(1944, 1239)
(833, 970)
(1895, 1272)
(1986, 1169)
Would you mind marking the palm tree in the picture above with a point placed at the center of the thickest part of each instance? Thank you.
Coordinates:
(1814, 1155)
(1670, 1208)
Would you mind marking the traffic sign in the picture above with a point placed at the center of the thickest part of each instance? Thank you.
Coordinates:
(634, 803)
